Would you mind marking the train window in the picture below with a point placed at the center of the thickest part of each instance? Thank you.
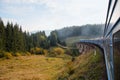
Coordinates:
(115, 15)
(117, 55)
(110, 11)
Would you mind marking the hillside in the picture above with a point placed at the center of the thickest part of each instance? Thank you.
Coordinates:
(89, 30)
(35, 67)
(36, 56)
(71, 40)
(88, 66)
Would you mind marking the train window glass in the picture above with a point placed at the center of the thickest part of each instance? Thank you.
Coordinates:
(116, 53)
(116, 15)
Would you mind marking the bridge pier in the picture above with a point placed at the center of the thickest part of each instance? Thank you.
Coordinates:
(84, 47)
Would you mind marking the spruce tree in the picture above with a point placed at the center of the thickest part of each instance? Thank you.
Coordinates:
(2, 35)
(9, 37)
(53, 38)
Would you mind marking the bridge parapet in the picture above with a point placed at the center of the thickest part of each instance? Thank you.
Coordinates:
(97, 41)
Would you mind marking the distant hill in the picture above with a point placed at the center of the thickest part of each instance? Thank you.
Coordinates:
(89, 31)
(47, 32)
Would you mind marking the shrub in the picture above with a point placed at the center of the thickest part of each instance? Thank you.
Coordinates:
(2, 54)
(53, 52)
(68, 51)
(72, 52)
(36, 50)
(27, 53)
(58, 51)
(45, 52)
(8, 55)
(17, 54)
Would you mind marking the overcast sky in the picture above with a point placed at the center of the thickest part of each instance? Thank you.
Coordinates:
(34, 15)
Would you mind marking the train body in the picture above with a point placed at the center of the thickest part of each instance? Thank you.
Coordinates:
(111, 40)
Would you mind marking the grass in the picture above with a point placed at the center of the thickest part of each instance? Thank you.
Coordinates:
(34, 67)
(92, 66)
(87, 66)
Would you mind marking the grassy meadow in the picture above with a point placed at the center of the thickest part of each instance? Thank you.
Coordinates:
(34, 67)
(87, 66)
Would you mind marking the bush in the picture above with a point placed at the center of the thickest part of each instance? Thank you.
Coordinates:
(58, 51)
(2, 54)
(17, 54)
(53, 52)
(8, 55)
(45, 52)
(36, 50)
(27, 53)
(68, 51)
(72, 52)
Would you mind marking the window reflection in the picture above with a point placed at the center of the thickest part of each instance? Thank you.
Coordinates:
(115, 15)
(117, 55)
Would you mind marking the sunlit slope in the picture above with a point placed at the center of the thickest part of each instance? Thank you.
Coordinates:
(88, 66)
(33, 67)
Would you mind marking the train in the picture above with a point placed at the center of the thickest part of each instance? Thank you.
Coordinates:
(110, 42)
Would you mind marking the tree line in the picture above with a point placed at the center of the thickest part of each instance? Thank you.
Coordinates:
(13, 39)
(89, 30)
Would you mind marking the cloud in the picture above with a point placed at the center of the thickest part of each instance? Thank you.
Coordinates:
(17, 10)
(52, 14)
(9, 20)
(18, 1)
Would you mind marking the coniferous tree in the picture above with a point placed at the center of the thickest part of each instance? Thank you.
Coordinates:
(53, 38)
(28, 41)
(16, 41)
(2, 35)
(9, 36)
(21, 40)
(25, 41)
(13, 39)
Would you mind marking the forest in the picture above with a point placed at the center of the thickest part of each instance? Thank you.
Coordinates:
(88, 30)
(13, 39)
(35, 56)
